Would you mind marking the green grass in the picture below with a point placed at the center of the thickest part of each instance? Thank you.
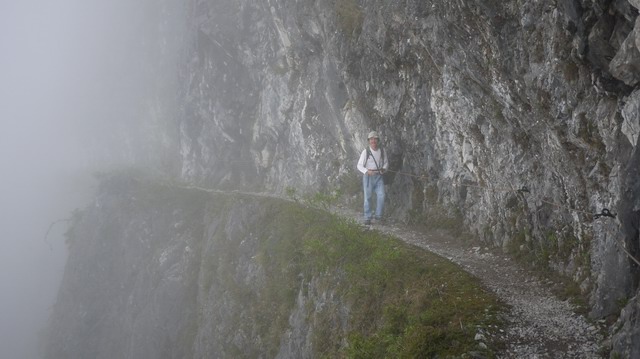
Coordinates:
(403, 301)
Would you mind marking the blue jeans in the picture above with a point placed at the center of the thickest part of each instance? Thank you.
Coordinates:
(373, 184)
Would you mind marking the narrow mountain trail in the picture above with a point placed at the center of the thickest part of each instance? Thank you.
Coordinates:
(539, 325)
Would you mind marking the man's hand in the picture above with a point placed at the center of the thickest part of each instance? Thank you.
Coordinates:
(373, 172)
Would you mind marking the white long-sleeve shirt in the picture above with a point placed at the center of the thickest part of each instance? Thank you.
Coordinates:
(371, 164)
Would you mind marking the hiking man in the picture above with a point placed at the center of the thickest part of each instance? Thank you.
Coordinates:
(373, 163)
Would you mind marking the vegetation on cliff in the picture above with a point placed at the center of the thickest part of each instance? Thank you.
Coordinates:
(250, 265)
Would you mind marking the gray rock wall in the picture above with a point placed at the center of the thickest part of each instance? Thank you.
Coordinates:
(475, 100)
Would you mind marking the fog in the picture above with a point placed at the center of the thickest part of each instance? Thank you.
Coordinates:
(65, 77)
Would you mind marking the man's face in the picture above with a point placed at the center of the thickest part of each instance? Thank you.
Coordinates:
(373, 142)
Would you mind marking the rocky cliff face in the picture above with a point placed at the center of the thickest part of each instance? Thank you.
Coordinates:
(521, 119)
(159, 272)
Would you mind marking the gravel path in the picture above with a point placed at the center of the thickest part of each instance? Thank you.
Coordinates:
(539, 324)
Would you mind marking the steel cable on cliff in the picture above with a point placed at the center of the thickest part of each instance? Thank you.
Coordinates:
(422, 177)
(605, 212)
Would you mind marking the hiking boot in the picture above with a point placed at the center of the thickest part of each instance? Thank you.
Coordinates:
(367, 222)
(379, 221)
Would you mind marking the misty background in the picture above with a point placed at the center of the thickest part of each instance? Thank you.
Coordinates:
(70, 77)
